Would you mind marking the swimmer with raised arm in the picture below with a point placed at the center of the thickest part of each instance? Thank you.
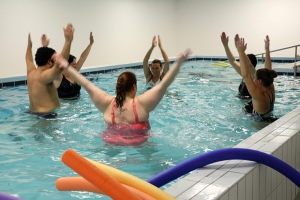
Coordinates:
(260, 87)
(251, 63)
(126, 114)
(153, 74)
(67, 88)
(40, 81)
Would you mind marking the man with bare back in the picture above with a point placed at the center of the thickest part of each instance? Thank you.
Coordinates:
(42, 92)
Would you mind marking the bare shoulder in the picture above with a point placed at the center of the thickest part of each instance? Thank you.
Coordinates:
(35, 75)
(32, 74)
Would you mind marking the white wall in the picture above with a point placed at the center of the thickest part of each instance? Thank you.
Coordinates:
(123, 29)
(201, 22)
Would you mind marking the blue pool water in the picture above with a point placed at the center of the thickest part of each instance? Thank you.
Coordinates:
(199, 113)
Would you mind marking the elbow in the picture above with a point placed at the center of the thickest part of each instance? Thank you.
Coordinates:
(245, 75)
(231, 61)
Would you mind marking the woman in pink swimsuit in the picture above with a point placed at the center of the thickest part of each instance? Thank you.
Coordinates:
(126, 115)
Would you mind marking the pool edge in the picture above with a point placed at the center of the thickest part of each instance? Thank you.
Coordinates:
(22, 80)
(238, 179)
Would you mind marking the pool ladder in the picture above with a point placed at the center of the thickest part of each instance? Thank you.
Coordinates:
(296, 56)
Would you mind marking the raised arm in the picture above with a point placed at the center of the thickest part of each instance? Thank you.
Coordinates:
(45, 43)
(100, 98)
(53, 73)
(147, 71)
(150, 99)
(248, 62)
(241, 47)
(268, 63)
(166, 58)
(85, 53)
(245, 71)
(231, 59)
(29, 59)
(69, 33)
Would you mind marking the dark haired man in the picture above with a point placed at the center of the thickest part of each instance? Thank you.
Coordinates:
(41, 90)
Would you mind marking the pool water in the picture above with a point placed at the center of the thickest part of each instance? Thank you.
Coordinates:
(200, 112)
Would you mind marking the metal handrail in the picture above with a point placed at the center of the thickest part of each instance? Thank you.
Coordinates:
(296, 56)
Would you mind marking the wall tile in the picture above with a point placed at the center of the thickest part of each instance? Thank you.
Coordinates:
(242, 189)
(225, 196)
(279, 191)
(256, 183)
(233, 193)
(262, 181)
(249, 186)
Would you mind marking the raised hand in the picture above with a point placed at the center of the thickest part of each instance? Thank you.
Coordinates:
(224, 39)
(45, 41)
(240, 45)
(183, 56)
(29, 41)
(68, 32)
(154, 42)
(159, 42)
(267, 43)
(91, 38)
(236, 39)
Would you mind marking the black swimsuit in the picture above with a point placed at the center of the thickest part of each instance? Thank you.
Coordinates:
(47, 115)
(68, 89)
(243, 91)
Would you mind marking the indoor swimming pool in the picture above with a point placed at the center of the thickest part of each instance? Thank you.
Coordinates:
(199, 113)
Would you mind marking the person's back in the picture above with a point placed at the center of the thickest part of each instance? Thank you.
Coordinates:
(265, 105)
(261, 87)
(127, 122)
(126, 114)
(40, 81)
(43, 96)
(128, 125)
(42, 93)
(126, 111)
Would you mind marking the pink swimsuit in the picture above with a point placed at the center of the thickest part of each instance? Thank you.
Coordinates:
(126, 134)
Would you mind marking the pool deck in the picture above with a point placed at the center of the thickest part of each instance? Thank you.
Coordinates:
(243, 179)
